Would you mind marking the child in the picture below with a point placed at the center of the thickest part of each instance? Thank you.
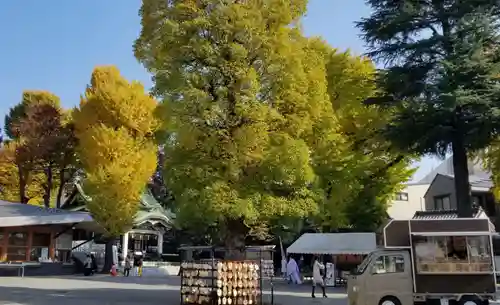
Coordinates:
(128, 266)
(114, 271)
(139, 266)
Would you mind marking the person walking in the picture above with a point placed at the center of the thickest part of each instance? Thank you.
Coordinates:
(139, 266)
(128, 266)
(94, 263)
(87, 266)
(292, 270)
(318, 277)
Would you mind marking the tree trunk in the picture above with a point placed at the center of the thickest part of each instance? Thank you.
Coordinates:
(62, 183)
(22, 185)
(108, 256)
(234, 239)
(48, 187)
(461, 174)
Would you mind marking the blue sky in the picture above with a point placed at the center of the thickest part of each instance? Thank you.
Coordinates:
(54, 45)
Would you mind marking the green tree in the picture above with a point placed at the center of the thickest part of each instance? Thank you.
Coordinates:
(441, 77)
(10, 154)
(243, 104)
(255, 144)
(19, 111)
(115, 127)
(23, 126)
(376, 169)
(49, 137)
(490, 159)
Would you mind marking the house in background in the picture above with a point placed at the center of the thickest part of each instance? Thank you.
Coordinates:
(441, 195)
(409, 201)
(436, 192)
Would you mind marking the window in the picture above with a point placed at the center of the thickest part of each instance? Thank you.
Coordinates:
(450, 254)
(389, 264)
(17, 246)
(402, 197)
(364, 264)
(40, 247)
(442, 203)
(18, 239)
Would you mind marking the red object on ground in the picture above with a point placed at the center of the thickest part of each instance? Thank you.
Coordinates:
(113, 271)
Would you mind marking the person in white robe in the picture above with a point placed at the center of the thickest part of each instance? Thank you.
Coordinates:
(318, 277)
(292, 270)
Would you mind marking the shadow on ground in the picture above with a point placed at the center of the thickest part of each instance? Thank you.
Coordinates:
(108, 296)
(279, 285)
(125, 291)
(144, 280)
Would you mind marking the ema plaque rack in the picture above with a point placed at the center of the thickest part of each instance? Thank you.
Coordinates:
(221, 282)
(239, 283)
(197, 282)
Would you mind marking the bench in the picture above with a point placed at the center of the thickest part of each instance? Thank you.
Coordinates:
(18, 266)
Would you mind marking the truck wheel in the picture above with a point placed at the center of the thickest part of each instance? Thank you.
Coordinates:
(389, 300)
(470, 300)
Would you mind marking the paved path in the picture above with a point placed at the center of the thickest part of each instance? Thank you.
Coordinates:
(106, 290)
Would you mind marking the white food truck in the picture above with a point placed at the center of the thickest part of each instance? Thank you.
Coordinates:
(428, 261)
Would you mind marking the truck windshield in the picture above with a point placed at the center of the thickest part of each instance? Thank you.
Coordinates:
(364, 264)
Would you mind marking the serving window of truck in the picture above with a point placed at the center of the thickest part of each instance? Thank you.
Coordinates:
(452, 254)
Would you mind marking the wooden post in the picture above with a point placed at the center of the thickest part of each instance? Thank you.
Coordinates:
(3, 245)
(52, 246)
(29, 245)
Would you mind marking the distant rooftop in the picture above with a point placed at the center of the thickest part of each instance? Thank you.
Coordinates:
(478, 177)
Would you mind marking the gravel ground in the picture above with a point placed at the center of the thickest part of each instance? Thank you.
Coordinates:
(106, 290)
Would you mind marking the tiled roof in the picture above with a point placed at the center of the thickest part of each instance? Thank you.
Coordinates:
(478, 181)
(441, 215)
(149, 209)
(11, 209)
(19, 215)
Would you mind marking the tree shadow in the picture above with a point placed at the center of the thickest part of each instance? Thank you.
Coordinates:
(139, 280)
(279, 287)
(109, 296)
(45, 291)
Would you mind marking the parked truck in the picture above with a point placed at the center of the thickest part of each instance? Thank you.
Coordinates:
(428, 261)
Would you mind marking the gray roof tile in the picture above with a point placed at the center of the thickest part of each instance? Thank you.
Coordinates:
(10, 209)
(478, 177)
(444, 214)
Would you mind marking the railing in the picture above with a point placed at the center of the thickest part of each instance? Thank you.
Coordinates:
(157, 264)
(19, 266)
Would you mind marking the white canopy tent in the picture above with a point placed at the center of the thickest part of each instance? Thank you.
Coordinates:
(18, 214)
(334, 243)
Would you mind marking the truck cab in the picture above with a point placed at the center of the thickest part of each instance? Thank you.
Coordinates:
(383, 278)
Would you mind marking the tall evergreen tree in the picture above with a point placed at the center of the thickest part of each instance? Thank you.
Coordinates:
(442, 68)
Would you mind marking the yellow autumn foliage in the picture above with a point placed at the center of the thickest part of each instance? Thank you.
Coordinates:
(115, 125)
(9, 178)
